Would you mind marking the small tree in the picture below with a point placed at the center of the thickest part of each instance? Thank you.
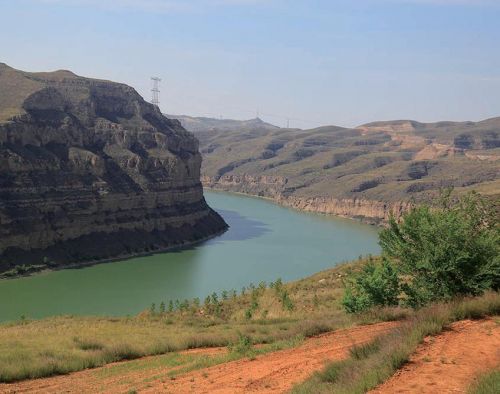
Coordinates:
(433, 253)
(446, 251)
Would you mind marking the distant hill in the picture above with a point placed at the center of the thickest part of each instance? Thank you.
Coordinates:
(367, 171)
(197, 124)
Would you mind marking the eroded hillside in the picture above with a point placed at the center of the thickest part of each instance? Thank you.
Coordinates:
(365, 172)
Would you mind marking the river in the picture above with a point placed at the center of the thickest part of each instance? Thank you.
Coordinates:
(265, 242)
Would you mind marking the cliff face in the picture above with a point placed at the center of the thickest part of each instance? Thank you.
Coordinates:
(90, 171)
(369, 211)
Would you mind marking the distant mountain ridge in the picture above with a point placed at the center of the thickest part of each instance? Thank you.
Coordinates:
(369, 171)
(197, 124)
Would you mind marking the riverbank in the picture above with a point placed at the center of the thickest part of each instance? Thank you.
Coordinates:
(374, 213)
(265, 241)
(39, 269)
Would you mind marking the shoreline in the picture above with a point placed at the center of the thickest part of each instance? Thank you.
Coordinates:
(284, 204)
(115, 259)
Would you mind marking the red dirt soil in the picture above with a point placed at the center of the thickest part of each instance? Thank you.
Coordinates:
(269, 373)
(449, 362)
(446, 363)
(274, 372)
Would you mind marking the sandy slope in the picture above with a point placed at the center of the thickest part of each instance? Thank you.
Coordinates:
(275, 372)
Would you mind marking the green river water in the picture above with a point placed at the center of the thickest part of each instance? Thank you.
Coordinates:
(264, 242)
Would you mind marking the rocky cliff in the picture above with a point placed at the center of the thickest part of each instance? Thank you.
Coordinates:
(90, 171)
(274, 188)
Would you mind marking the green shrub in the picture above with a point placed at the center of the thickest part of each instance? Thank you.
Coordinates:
(377, 284)
(432, 254)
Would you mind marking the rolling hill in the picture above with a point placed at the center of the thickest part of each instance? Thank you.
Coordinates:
(364, 172)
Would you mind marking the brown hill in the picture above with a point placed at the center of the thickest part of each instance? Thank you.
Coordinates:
(366, 172)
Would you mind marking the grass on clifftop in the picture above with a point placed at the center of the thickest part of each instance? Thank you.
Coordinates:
(58, 345)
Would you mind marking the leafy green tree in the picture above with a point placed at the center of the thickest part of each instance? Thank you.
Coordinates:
(432, 253)
(444, 252)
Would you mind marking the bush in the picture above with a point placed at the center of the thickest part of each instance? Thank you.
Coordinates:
(432, 254)
(377, 284)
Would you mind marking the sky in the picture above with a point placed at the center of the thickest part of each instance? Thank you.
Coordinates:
(306, 62)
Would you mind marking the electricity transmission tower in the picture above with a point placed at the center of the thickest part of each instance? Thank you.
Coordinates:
(155, 91)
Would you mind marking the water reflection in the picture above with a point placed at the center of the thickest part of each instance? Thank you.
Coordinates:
(241, 228)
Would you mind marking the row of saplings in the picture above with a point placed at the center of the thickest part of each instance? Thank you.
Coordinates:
(214, 304)
(434, 253)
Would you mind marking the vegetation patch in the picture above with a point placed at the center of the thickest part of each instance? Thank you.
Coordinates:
(371, 364)
(487, 384)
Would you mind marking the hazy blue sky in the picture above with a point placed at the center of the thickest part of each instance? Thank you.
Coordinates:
(342, 62)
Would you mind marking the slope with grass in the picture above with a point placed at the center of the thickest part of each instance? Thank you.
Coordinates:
(267, 368)
(464, 351)
(263, 314)
(89, 171)
(361, 357)
(366, 172)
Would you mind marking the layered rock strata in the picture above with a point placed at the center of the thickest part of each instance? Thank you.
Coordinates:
(90, 171)
(274, 188)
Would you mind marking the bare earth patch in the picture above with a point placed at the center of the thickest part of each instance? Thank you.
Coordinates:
(449, 362)
(273, 372)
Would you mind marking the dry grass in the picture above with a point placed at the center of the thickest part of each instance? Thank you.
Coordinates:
(372, 364)
(487, 384)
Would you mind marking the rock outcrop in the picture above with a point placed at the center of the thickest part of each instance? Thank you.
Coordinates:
(90, 171)
(274, 188)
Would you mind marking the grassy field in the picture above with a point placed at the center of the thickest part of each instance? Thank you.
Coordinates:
(262, 315)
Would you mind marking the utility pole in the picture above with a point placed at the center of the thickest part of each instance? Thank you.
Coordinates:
(155, 91)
